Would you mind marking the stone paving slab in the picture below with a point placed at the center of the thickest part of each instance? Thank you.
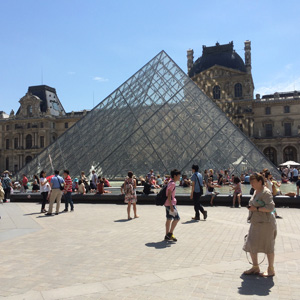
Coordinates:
(96, 253)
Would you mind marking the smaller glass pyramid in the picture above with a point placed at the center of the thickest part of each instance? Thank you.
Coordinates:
(158, 119)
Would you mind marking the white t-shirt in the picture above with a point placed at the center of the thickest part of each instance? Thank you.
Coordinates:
(269, 185)
(45, 187)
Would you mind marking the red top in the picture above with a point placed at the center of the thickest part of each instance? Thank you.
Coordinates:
(25, 180)
(100, 188)
(68, 184)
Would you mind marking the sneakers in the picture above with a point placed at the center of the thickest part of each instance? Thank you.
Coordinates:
(170, 237)
(196, 219)
(167, 238)
(205, 215)
(240, 206)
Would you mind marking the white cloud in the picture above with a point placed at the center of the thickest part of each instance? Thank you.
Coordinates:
(100, 79)
(286, 86)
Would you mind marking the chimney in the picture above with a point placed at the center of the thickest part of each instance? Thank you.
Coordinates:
(248, 56)
(190, 59)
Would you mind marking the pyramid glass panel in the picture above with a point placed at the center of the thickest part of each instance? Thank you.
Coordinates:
(158, 119)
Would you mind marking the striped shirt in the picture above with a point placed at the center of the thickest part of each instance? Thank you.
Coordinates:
(68, 184)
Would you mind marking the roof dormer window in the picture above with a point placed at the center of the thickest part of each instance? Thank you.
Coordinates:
(29, 111)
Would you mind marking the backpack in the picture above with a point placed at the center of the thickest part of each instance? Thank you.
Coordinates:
(161, 197)
(128, 188)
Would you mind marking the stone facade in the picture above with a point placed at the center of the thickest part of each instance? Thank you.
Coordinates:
(272, 122)
(277, 126)
(37, 123)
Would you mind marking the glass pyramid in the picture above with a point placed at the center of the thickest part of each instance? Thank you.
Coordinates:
(158, 119)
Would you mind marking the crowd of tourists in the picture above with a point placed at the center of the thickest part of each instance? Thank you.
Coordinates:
(262, 213)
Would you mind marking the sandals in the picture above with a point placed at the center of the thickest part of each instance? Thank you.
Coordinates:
(269, 273)
(253, 271)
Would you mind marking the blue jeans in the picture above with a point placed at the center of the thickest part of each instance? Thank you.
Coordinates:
(68, 199)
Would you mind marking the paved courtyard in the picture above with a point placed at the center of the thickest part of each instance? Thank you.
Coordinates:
(95, 253)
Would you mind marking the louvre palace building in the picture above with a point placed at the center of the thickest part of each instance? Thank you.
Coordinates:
(39, 121)
(272, 122)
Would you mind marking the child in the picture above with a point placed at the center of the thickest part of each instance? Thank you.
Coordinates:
(170, 205)
(211, 190)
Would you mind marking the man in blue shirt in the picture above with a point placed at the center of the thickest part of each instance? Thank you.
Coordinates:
(197, 191)
(247, 179)
(55, 193)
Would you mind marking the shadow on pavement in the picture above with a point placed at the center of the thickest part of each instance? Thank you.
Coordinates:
(36, 213)
(255, 285)
(123, 220)
(191, 221)
(160, 245)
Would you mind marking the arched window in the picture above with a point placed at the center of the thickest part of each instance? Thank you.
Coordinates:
(28, 159)
(29, 110)
(290, 153)
(238, 90)
(28, 141)
(217, 92)
(271, 154)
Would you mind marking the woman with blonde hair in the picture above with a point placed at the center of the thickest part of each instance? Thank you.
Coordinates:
(263, 230)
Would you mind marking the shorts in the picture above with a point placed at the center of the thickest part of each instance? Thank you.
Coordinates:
(168, 216)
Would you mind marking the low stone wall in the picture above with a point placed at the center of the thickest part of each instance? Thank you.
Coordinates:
(182, 199)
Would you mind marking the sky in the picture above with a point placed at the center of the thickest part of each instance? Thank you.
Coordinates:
(86, 49)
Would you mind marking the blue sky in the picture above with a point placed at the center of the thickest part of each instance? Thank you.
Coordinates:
(88, 48)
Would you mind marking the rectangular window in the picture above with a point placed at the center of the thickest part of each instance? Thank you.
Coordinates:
(16, 144)
(269, 130)
(53, 125)
(66, 125)
(28, 125)
(42, 125)
(42, 142)
(7, 144)
(268, 110)
(7, 127)
(287, 129)
(286, 109)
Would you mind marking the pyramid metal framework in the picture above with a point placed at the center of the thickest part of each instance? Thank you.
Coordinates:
(158, 119)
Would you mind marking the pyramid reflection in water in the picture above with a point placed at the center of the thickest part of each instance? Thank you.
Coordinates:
(158, 119)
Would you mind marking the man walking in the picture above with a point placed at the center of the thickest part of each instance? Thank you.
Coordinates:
(197, 191)
(56, 192)
(7, 185)
(68, 191)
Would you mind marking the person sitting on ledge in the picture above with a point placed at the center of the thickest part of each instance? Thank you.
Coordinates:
(159, 181)
(100, 186)
(106, 182)
(147, 188)
(211, 190)
(81, 187)
(284, 179)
